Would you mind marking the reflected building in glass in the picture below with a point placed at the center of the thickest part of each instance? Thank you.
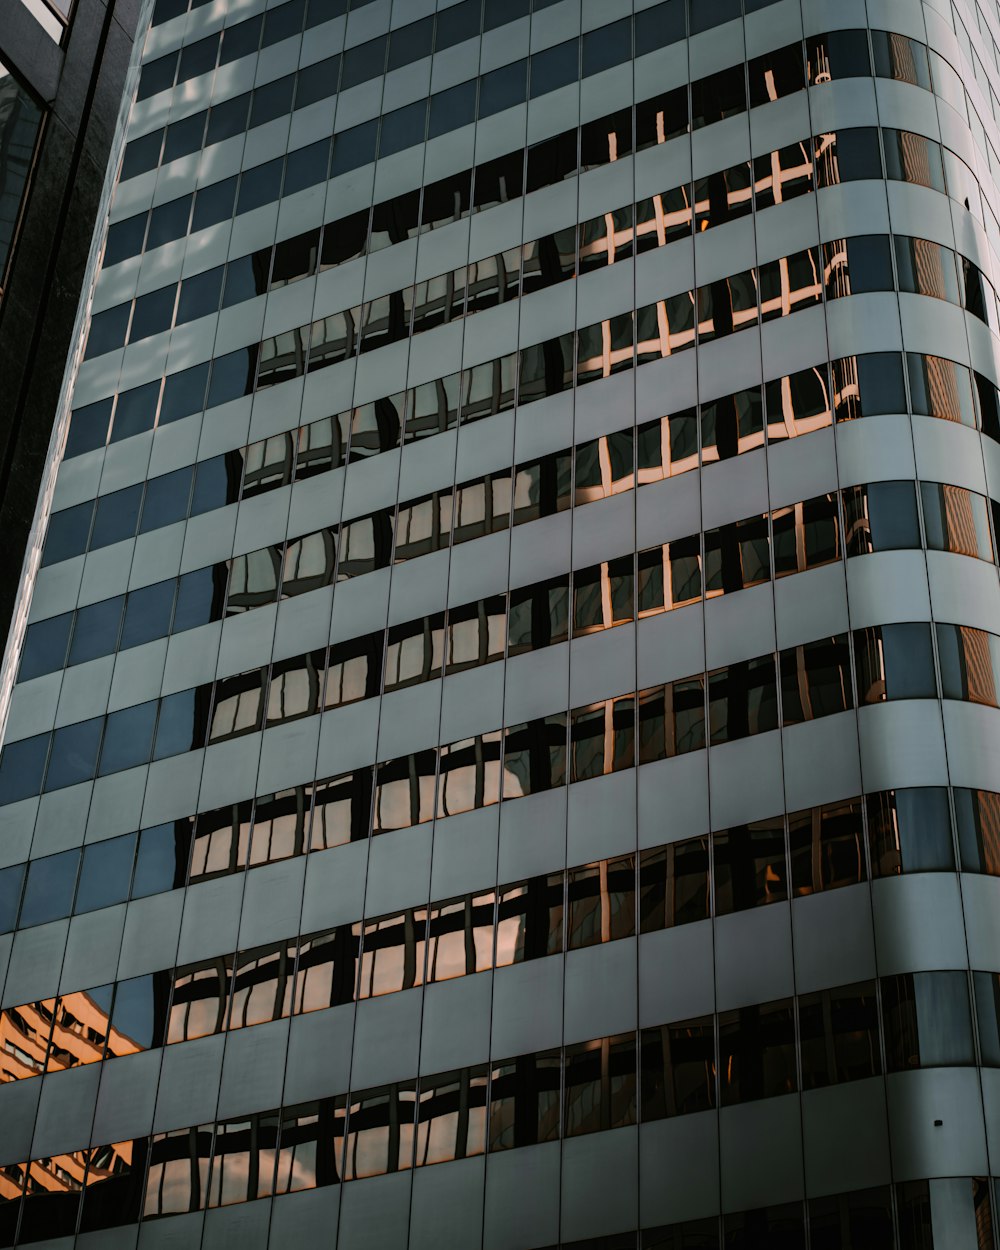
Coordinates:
(503, 749)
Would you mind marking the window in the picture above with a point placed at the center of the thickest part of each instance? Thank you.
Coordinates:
(956, 520)
(404, 791)
(839, 1035)
(380, 1131)
(806, 535)
(243, 1162)
(815, 680)
(674, 885)
(940, 388)
(927, 1021)
(20, 129)
(529, 920)
(749, 863)
(912, 158)
(678, 1068)
(970, 664)
(199, 1000)
(393, 949)
(327, 969)
(602, 737)
(115, 1176)
(827, 847)
(534, 756)
(601, 901)
(881, 516)
(839, 54)
(926, 268)
(262, 985)
(451, 1116)
(894, 662)
(737, 556)
(600, 1085)
(757, 1052)
(857, 265)
(460, 937)
(742, 699)
(178, 1171)
(310, 1143)
(977, 814)
(524, 1101)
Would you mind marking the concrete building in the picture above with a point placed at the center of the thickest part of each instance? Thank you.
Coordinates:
(62, 73)
(505, 745)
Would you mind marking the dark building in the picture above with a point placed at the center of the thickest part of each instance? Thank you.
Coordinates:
(505, 751)
(62, 72)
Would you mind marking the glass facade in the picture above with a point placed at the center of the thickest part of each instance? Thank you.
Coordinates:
(503, 749)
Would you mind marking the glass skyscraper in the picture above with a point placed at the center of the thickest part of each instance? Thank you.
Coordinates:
(502, 745)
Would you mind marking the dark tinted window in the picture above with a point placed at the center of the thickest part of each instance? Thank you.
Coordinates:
(363, 62)
(21, 767)
(11, 880)
(458, 23)
(157, 76)
(306, 167)
(324, 11)
(199, 598)
(116, 516)
(502, 88)
(198, 58)
(128, 738)
(88, 427)
(555, 67)
(228, 118)
(107, 330)
(140, 1012)
(96, 630)
(283, 22)
(661, 25)
(272, 100)
(317, 82)
(499, 12)
(184, 136)
(607, 46)
(124, 239)
(181, 724)
(147, 614)
(166, 499)
(183, 393)
(214, 203)
(838, 54)
(68, 532)
(402, 128)
(354, 148)
(45, 646)
(161, 860)
(105, 873)
(141, 154)
(410, 43)
(232, 376)
(48, 893)
(240, 39)
(260, 185)
(217, 482)
(153, 313)
(452, 108)
(136, 411)
(200, 295)
(708, 13)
